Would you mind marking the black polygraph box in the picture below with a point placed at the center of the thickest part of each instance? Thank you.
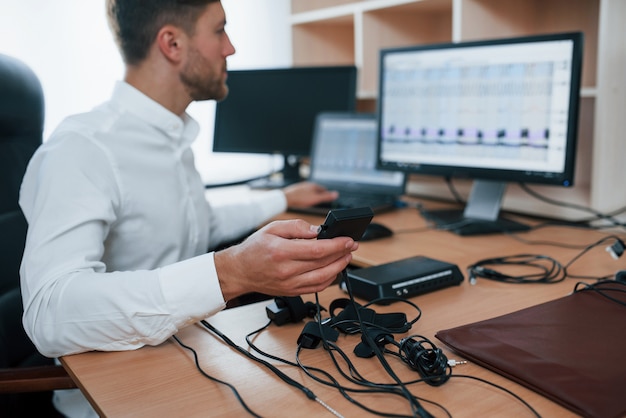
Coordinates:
(404, 278)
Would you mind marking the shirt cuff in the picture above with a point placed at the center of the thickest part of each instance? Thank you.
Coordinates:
(191, 289)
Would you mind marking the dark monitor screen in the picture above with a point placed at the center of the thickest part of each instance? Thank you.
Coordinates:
(496, 111)
(272, 111)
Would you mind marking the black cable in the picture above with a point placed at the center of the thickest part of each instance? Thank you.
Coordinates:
(601, 289)
(502, 388)
(415, 404)
(261, 352)
(371, 388)
(331, 381)
(352, 325)
(354, 376)
(598, 215)
(549, 269)
(427, 359)
(214, 379)
(285, 378)
(454, 191)
(432, 366)
(617, 245)
(516, 236)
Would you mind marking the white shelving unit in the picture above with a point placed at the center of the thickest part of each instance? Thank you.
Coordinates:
(339, 32)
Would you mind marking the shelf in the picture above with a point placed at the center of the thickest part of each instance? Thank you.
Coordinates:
(402, 25)
(331, 32)
(303, 6)
(329, 42)
(532, 17)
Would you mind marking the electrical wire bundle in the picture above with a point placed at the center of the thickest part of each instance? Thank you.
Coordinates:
(545, 269)
(416, 351)
(427, 359)
(548, 270)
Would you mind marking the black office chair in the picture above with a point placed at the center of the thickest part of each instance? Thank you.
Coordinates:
(26, 377)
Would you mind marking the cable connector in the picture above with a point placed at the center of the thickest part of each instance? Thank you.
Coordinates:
(472, 278)
(617, 249)
(453, 363)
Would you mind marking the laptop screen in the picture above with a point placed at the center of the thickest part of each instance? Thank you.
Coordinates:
(344, 154)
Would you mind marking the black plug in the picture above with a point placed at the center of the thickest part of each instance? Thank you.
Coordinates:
(287, 309)
(617, 249)
(278, 314)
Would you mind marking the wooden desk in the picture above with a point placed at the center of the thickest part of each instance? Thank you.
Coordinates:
(164, 381)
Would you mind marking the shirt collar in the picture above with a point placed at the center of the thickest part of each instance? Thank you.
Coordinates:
(183, 130)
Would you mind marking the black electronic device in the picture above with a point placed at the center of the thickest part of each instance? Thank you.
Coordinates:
(286, 309)
(403, 278)
(273, 111)
(346, 223)
(495, 111)
(376, 231)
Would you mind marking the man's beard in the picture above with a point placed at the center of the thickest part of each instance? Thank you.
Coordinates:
(201, 82)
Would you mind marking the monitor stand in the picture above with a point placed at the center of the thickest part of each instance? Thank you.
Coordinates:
(481, 213)
(290, 174)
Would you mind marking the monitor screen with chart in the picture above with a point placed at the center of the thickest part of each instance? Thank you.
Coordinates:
(496, 111)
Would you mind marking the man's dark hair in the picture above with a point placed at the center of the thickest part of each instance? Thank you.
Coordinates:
(135, 23)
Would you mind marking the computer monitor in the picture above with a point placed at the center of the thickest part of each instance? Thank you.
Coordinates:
(272, 111)
(496, 111)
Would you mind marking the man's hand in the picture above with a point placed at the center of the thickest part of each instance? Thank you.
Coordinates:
(305, 194)
(282, 259)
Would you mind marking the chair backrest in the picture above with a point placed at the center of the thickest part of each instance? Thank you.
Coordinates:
(21, 128)
(26, 377)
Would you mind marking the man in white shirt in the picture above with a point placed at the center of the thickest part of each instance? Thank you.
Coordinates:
(119, 228)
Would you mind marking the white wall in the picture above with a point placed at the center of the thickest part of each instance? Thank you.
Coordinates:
(69, 45)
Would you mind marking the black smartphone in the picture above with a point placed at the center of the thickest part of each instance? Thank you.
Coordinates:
(346, 223)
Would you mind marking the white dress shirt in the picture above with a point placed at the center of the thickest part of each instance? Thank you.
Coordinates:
(119, 229)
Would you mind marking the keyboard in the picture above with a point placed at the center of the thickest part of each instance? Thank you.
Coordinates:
(378, 203)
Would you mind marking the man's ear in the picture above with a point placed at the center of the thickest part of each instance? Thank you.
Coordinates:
(170, 41)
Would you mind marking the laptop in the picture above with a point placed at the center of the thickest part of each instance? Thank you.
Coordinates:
(343, 158)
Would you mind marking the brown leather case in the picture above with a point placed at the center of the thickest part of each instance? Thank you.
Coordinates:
(571, 350)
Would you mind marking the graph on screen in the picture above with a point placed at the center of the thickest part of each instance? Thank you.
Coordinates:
(485, 107)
